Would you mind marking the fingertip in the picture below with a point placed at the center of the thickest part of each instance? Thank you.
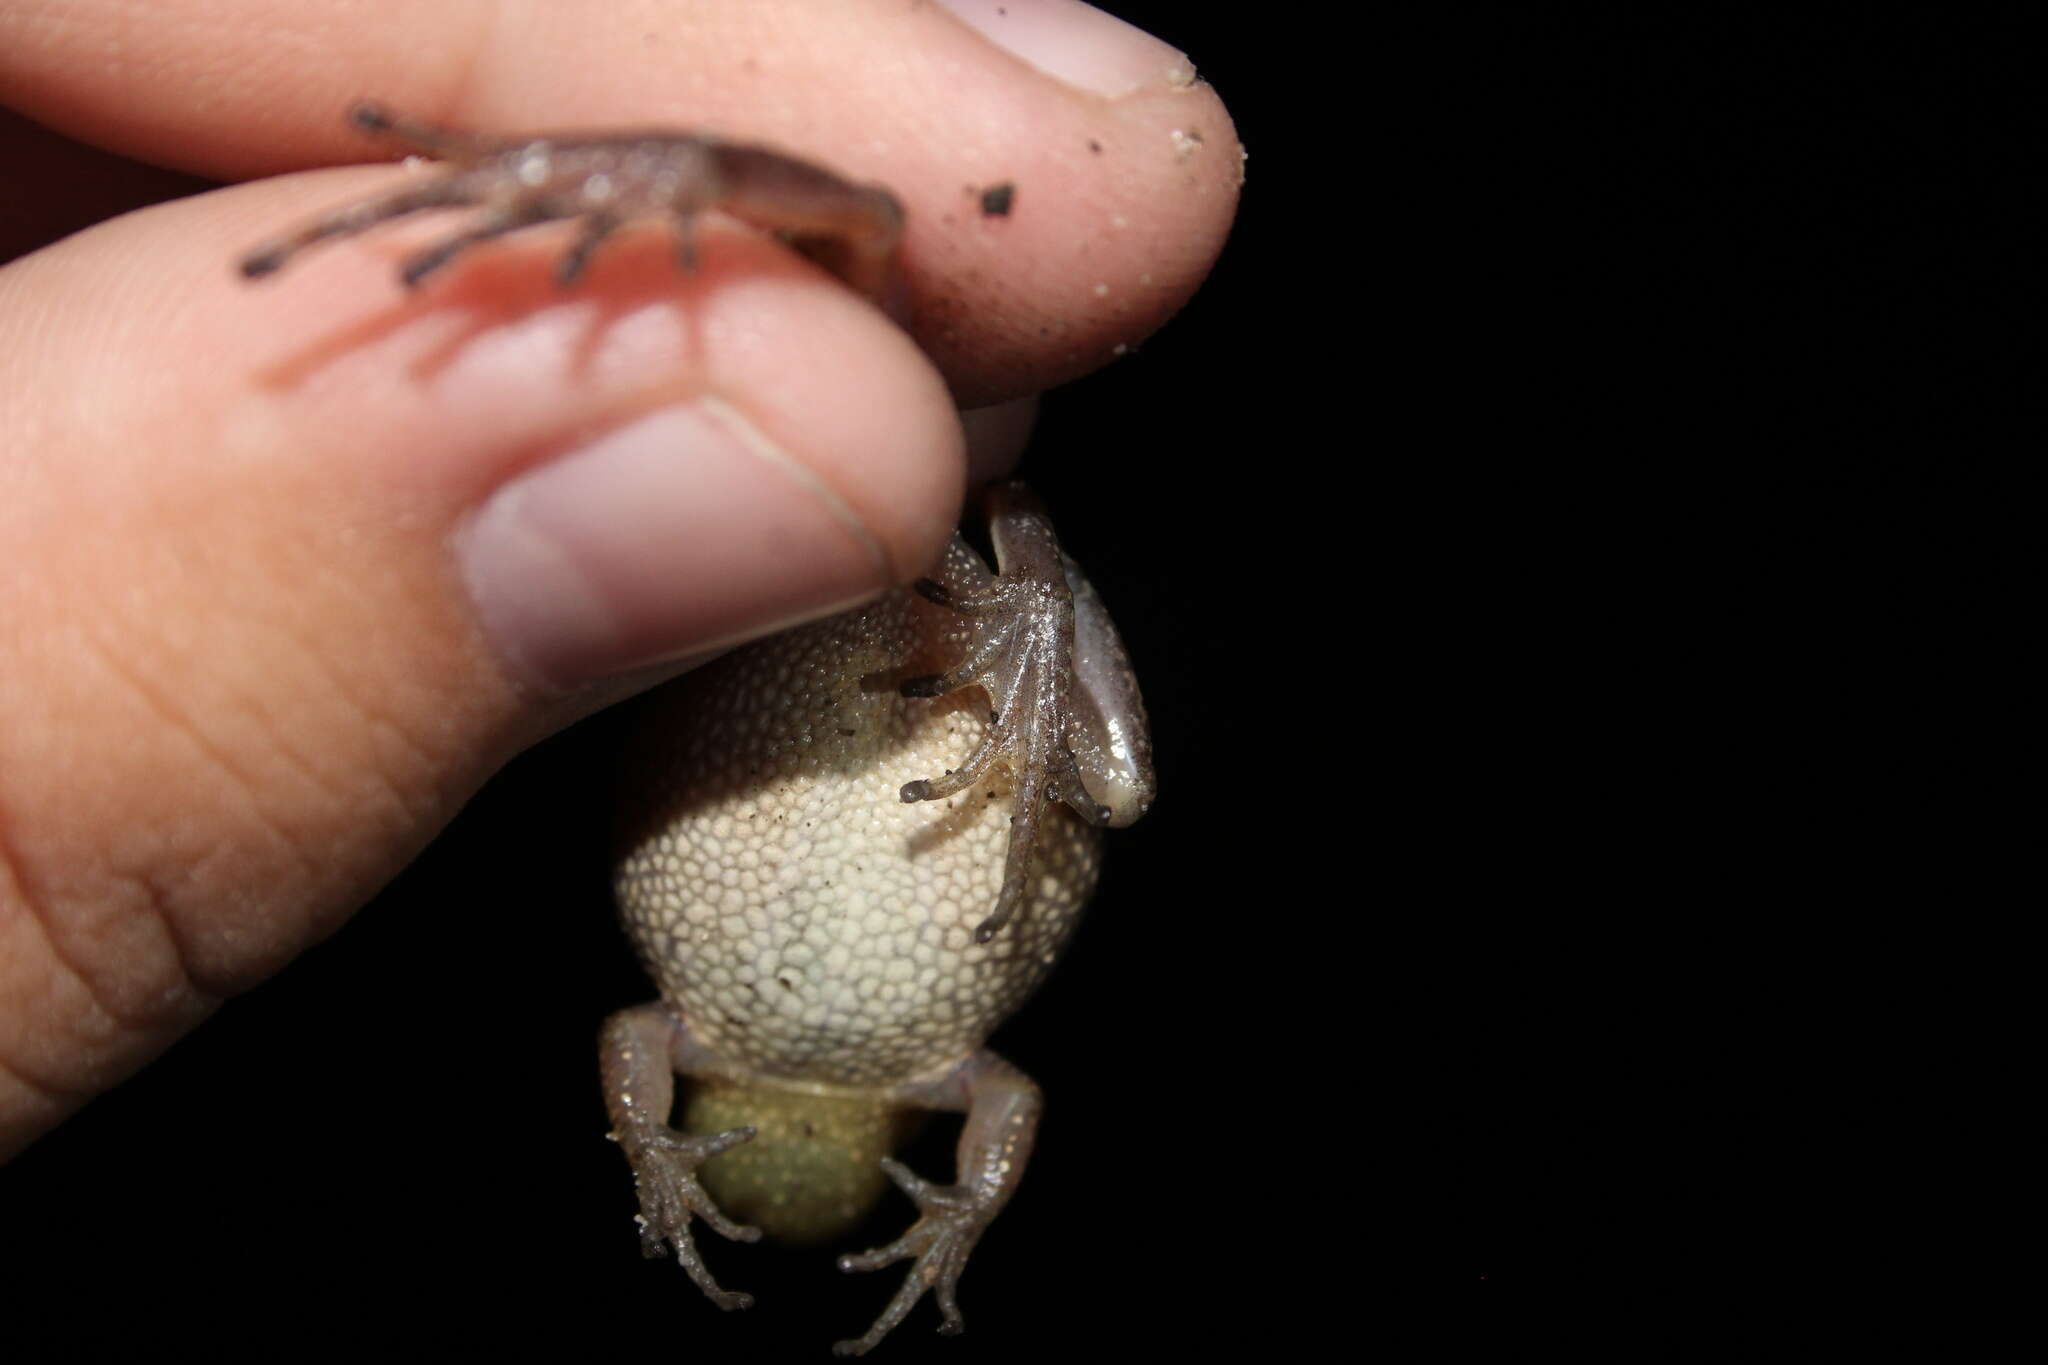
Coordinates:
(682, 530)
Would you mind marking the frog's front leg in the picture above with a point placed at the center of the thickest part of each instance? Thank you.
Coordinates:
(640, 1052)
(1002, 1105)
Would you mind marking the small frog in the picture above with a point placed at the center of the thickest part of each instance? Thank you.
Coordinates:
(833, 944)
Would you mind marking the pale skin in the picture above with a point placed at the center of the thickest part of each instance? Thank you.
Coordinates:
(218, 742)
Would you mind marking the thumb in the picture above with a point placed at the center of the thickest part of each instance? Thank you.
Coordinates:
(291, 569)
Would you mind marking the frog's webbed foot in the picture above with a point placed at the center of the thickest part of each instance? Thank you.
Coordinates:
(639, 1053)
(952, 1219)
(665, 1166)
(605, 180)
(1021, 651)
(1002, 1107)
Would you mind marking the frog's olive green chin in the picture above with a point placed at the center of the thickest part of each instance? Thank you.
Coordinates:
(813, 1170)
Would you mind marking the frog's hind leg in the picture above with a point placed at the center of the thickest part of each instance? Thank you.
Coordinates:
(1002, 1106)
(640, 1053)
(1020, 651)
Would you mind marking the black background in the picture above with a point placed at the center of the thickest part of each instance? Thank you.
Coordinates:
(1565, 547)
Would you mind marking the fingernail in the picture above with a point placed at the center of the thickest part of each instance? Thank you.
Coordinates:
(996, 437)
(1077, 43)
(682, 531)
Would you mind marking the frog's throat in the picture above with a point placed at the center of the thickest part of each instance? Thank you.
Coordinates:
(813, 1170)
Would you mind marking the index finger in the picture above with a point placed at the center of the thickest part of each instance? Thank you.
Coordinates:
(1068, 180)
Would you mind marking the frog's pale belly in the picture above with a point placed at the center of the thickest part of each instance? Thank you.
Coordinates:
(809, 922)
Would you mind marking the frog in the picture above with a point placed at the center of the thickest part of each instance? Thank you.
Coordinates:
(833, 944)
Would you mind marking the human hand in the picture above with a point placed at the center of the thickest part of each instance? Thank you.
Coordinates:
(294, 568)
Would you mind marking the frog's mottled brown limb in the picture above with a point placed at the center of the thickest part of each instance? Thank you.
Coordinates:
(1002, 1105)
(1022, 651)
(639, 1054)
(607, 180)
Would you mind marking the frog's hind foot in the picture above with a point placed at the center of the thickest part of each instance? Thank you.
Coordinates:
(951, 1222)
(605, 180)
(665, 1172)
(1020, 650)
